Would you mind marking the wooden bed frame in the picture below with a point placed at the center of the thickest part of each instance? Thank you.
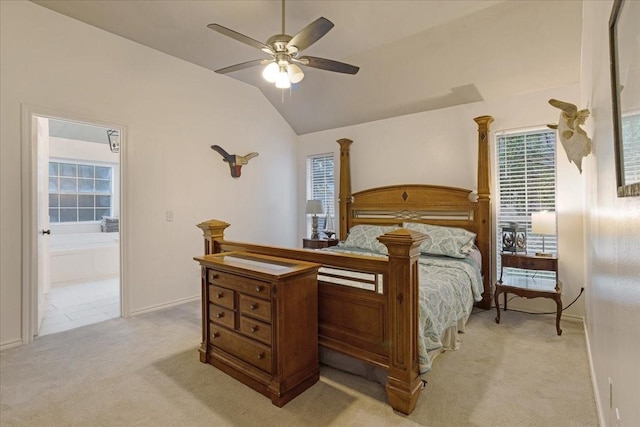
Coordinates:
(376, 320)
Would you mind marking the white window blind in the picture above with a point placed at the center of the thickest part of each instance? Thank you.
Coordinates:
(631, 147)
(526, 183)
(321, 186)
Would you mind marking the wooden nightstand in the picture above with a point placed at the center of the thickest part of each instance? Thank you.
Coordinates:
(318, 243)
(528, 285)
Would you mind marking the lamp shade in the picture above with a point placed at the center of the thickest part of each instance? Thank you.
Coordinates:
(314, 207)
(295, 73)
(270, 72)
(543, 223)
(282, 79)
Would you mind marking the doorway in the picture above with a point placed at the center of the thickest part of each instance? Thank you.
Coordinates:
(74, 274)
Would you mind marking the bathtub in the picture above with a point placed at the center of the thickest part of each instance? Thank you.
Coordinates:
(84, 257)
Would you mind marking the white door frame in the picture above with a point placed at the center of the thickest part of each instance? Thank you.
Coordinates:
(29, 223)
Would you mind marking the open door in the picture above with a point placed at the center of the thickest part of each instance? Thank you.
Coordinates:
(44, 231)
(41, 145)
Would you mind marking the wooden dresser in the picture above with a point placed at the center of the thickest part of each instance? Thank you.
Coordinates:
(260, 321)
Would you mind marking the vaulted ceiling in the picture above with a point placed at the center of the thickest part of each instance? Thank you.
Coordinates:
(413, 55)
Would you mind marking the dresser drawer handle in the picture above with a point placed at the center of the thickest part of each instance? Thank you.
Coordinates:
(261, 355)
(216, 334)
(258, 288)
(219, 315)
(215, 276)
(253, 328)
(219, 295)
(253, 306)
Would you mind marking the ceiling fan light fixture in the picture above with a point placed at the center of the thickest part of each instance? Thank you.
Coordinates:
(283, 50)
(270, 72)
(295, 73)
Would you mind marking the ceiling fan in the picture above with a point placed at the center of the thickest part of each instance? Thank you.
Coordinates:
(282, 68)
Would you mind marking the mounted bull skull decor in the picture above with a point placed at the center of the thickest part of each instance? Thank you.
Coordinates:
(235, 161)
(574, 139)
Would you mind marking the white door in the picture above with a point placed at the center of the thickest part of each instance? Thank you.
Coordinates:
(44, 231)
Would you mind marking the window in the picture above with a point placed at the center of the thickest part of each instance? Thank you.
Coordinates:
(526, 183)
(320, 186)
(79, 192)
(631, 149)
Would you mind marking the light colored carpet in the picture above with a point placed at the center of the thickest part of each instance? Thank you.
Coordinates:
(145, 371)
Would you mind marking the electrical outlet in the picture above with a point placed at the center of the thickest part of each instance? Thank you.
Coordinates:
(169, 216)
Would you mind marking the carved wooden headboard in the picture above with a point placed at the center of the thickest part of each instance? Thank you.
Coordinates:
(431, 204)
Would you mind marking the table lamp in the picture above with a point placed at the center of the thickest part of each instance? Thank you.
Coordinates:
(314, 207)
(543, 223)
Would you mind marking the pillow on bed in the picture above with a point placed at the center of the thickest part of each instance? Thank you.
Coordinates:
(365, 237)
(450, 241)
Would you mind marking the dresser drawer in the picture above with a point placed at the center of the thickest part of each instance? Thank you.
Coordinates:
(255, 307)
(221, 296)
(221, 316)
(250, 351)
(256, 329)
(239, 283)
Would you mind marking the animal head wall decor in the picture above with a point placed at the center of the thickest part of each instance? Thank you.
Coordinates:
(574, 139)
(235, 161)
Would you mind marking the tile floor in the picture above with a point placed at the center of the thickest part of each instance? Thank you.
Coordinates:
(69, 307)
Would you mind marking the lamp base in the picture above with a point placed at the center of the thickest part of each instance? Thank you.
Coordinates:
(314, 227)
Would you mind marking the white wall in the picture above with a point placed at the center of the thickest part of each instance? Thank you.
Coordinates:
(613, 240)
(440, 147)
(173, 112)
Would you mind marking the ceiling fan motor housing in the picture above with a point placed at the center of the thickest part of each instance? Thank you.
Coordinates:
(279, 43)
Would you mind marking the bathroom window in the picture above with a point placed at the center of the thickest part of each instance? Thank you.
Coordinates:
(79, 192)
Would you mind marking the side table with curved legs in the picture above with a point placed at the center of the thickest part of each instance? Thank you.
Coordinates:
(527, 285)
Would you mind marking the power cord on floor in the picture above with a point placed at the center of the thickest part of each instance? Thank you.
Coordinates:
(476, 311)
(548, 312)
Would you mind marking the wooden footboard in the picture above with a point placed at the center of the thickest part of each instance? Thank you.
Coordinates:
(368, 306)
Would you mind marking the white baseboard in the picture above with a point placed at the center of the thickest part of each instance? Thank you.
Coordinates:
(165, 305)
(594, 382)
(10, 344)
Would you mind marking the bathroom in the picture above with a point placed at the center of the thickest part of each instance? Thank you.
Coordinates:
(82, 269)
